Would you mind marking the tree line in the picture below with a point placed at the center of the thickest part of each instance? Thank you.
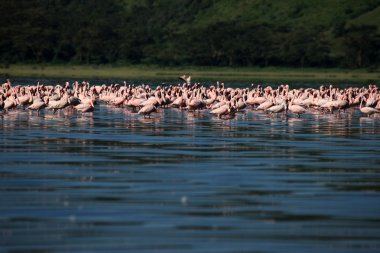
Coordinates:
(160, 32)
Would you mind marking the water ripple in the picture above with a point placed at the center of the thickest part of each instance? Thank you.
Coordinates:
(183, 182)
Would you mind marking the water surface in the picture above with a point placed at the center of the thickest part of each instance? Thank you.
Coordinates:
(112, 181)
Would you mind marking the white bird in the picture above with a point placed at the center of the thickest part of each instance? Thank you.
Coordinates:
(186, 78)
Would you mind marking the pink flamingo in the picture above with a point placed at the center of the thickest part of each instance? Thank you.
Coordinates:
(368, 110)
(37, 105)
(85, 107)
(147, 110)
(225, 109)
(296, 109)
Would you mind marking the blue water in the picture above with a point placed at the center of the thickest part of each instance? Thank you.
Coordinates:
(112, 181)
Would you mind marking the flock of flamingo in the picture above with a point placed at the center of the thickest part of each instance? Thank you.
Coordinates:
(218, 100)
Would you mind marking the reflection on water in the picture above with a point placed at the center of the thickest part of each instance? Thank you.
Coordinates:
(188, 182)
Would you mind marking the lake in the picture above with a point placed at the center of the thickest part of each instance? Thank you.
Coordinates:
(113, 181)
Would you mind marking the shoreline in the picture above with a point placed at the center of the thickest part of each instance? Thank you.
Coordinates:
(212, 73)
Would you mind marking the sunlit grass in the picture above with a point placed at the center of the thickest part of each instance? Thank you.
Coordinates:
(145, 72)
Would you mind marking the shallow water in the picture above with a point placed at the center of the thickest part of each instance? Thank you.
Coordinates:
(112, 181)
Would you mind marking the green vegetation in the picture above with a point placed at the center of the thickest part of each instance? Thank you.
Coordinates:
(255, 33)
(198, 73)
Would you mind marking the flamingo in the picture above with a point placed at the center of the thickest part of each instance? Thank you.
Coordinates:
(266, 105)
(278, 108)
(72, 100)
(240, 105)
(37, 105)
(10, 103)
(179, 102)
(341, 103)
(368, 110)
(86, 106)
(194, 103)
(186, 78)
(217, 99)
(135, 102)
(118, 100)
(25, 99)
(147, 110)
(225, 109)
(297, 109)
(152, 100)
(371, 100)
(58, 105)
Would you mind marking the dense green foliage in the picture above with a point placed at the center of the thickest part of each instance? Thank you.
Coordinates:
(313, 33)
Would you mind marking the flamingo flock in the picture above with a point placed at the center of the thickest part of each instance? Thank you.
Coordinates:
(222, 102)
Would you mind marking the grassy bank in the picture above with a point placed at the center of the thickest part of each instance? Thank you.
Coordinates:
(197, 73)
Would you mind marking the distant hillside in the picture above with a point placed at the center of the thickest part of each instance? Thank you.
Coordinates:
(371, 18)
(314, 33)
